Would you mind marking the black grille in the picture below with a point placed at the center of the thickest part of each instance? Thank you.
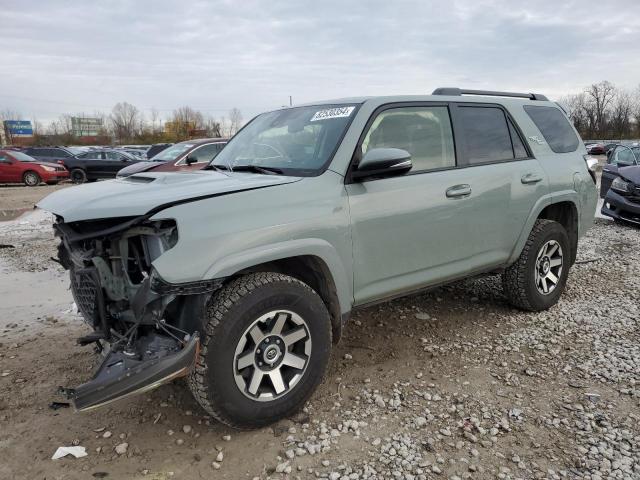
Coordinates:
(84, 289)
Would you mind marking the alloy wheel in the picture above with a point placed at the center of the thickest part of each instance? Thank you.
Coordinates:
(272, 355)
(549, 263)
(31, 179)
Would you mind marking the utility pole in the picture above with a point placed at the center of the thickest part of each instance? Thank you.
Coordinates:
(290, 101)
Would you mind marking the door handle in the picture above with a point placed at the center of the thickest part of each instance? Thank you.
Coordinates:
(458, 191)
(530, 178)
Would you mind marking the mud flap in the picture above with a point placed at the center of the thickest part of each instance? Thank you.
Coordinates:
(120, 376)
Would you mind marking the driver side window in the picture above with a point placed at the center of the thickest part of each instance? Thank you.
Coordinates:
(424, 132)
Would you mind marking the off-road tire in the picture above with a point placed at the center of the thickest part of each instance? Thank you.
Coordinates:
(78, 175)
(31, 178)
(518, 280)
(228, 313)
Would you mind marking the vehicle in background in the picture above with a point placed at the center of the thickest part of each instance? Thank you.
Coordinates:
(139, 154)
(242, 275)
(18, 167)
(620, 156)
(96, 164)
(622, 199)
(609, 147)
(53, 154)
(156, 148)
(183, 156)
(596, 149)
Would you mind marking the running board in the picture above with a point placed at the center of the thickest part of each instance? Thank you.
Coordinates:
(120, 376)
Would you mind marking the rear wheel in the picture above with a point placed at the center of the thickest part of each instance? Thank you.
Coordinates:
(265, 349)
(78, 175)
(537, 279)
(31, 179)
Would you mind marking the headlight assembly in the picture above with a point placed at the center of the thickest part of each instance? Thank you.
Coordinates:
(621, 186)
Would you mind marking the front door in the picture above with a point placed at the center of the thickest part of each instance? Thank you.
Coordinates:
(9, 170)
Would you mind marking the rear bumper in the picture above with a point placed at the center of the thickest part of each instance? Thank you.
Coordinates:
(621, 208)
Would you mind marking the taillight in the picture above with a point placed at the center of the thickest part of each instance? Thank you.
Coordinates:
(592, 164)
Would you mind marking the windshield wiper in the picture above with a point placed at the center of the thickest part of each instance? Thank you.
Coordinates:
(250, 168)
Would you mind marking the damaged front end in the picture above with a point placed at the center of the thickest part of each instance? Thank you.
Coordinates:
(147, 328)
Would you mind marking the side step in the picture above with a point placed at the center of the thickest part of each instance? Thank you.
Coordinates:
(121, 376)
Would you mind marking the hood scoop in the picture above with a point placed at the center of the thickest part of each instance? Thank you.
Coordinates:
(138, 179)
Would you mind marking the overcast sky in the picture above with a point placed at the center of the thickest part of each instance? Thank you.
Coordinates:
(72, 57)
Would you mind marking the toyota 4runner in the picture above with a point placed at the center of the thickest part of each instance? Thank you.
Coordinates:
(242, 275)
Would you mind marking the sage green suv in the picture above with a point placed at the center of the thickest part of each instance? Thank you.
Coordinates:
(242, 275)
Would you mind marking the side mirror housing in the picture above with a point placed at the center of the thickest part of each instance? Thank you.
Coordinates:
(383, 162)
(189, 160)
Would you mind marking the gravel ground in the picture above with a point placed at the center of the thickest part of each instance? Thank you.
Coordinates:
(451, 384)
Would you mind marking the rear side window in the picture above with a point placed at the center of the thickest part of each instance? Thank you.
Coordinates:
(555, 128)
(485, 135)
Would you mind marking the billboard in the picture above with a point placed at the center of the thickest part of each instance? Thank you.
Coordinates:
(18, 128)
(86, 126)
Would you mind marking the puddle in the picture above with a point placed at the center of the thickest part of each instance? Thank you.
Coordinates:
(8, 215)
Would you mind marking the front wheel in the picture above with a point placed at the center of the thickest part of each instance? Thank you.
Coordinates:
(265, 348)
(31, 179)
(537, 279)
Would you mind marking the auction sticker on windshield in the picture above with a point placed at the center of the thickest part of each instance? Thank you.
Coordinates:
(338, 112)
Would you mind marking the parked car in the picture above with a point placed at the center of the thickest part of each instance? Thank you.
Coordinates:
(242, 275)
(183, 156)
(609, 147)
(17, 167)
(51, 154)
(620, 156)
(596, 149)
(622, 199)
(156, 148)
(98, 164)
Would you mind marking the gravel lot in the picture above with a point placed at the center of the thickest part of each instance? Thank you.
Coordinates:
(451, 384)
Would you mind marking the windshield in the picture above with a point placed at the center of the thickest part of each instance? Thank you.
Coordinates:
(23, 157)
(172, 153)
(295, 141)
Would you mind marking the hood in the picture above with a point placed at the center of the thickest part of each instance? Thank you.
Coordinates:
(139, 194)
(137, 168)
(631, 173)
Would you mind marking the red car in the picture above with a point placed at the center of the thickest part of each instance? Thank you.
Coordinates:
(188, 155)
(17, 167)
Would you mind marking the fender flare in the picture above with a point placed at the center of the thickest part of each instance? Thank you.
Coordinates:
(231, 264)
(539, 206)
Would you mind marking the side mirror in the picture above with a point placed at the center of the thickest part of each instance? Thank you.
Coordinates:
(191, 159)
(383, 162)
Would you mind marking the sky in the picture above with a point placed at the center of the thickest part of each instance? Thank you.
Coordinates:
(79, 56)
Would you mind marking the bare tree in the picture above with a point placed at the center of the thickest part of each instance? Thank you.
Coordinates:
(213, 127)
(235, 119)
(125, 121)
(621, 115)
(184, 120)
(575, 107)
(600, 97)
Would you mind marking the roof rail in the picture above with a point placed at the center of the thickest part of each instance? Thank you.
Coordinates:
(455, 92)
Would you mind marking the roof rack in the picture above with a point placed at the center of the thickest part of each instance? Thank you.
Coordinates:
(459, 91)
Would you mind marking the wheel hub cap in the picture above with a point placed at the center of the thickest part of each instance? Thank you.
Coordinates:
(272, 355)
(549, 264)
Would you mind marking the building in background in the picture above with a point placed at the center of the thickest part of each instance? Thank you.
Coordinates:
(86, 128)
(17, 132)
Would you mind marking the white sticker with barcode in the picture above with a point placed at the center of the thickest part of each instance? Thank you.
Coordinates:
(338, 112)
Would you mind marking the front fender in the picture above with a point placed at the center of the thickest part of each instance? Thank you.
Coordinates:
(231, 264)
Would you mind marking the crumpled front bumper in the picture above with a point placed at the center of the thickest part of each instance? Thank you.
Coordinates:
(120, 376)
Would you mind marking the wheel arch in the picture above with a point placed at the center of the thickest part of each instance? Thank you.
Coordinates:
(561, 208)
(312, 261)
(31, 170)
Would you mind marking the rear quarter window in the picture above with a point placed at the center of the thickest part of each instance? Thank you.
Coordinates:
(555, 128)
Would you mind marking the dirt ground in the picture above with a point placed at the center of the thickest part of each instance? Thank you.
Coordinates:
(452, 383)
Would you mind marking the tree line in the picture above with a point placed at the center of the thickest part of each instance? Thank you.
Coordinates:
(126, 124)
(604, 111)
